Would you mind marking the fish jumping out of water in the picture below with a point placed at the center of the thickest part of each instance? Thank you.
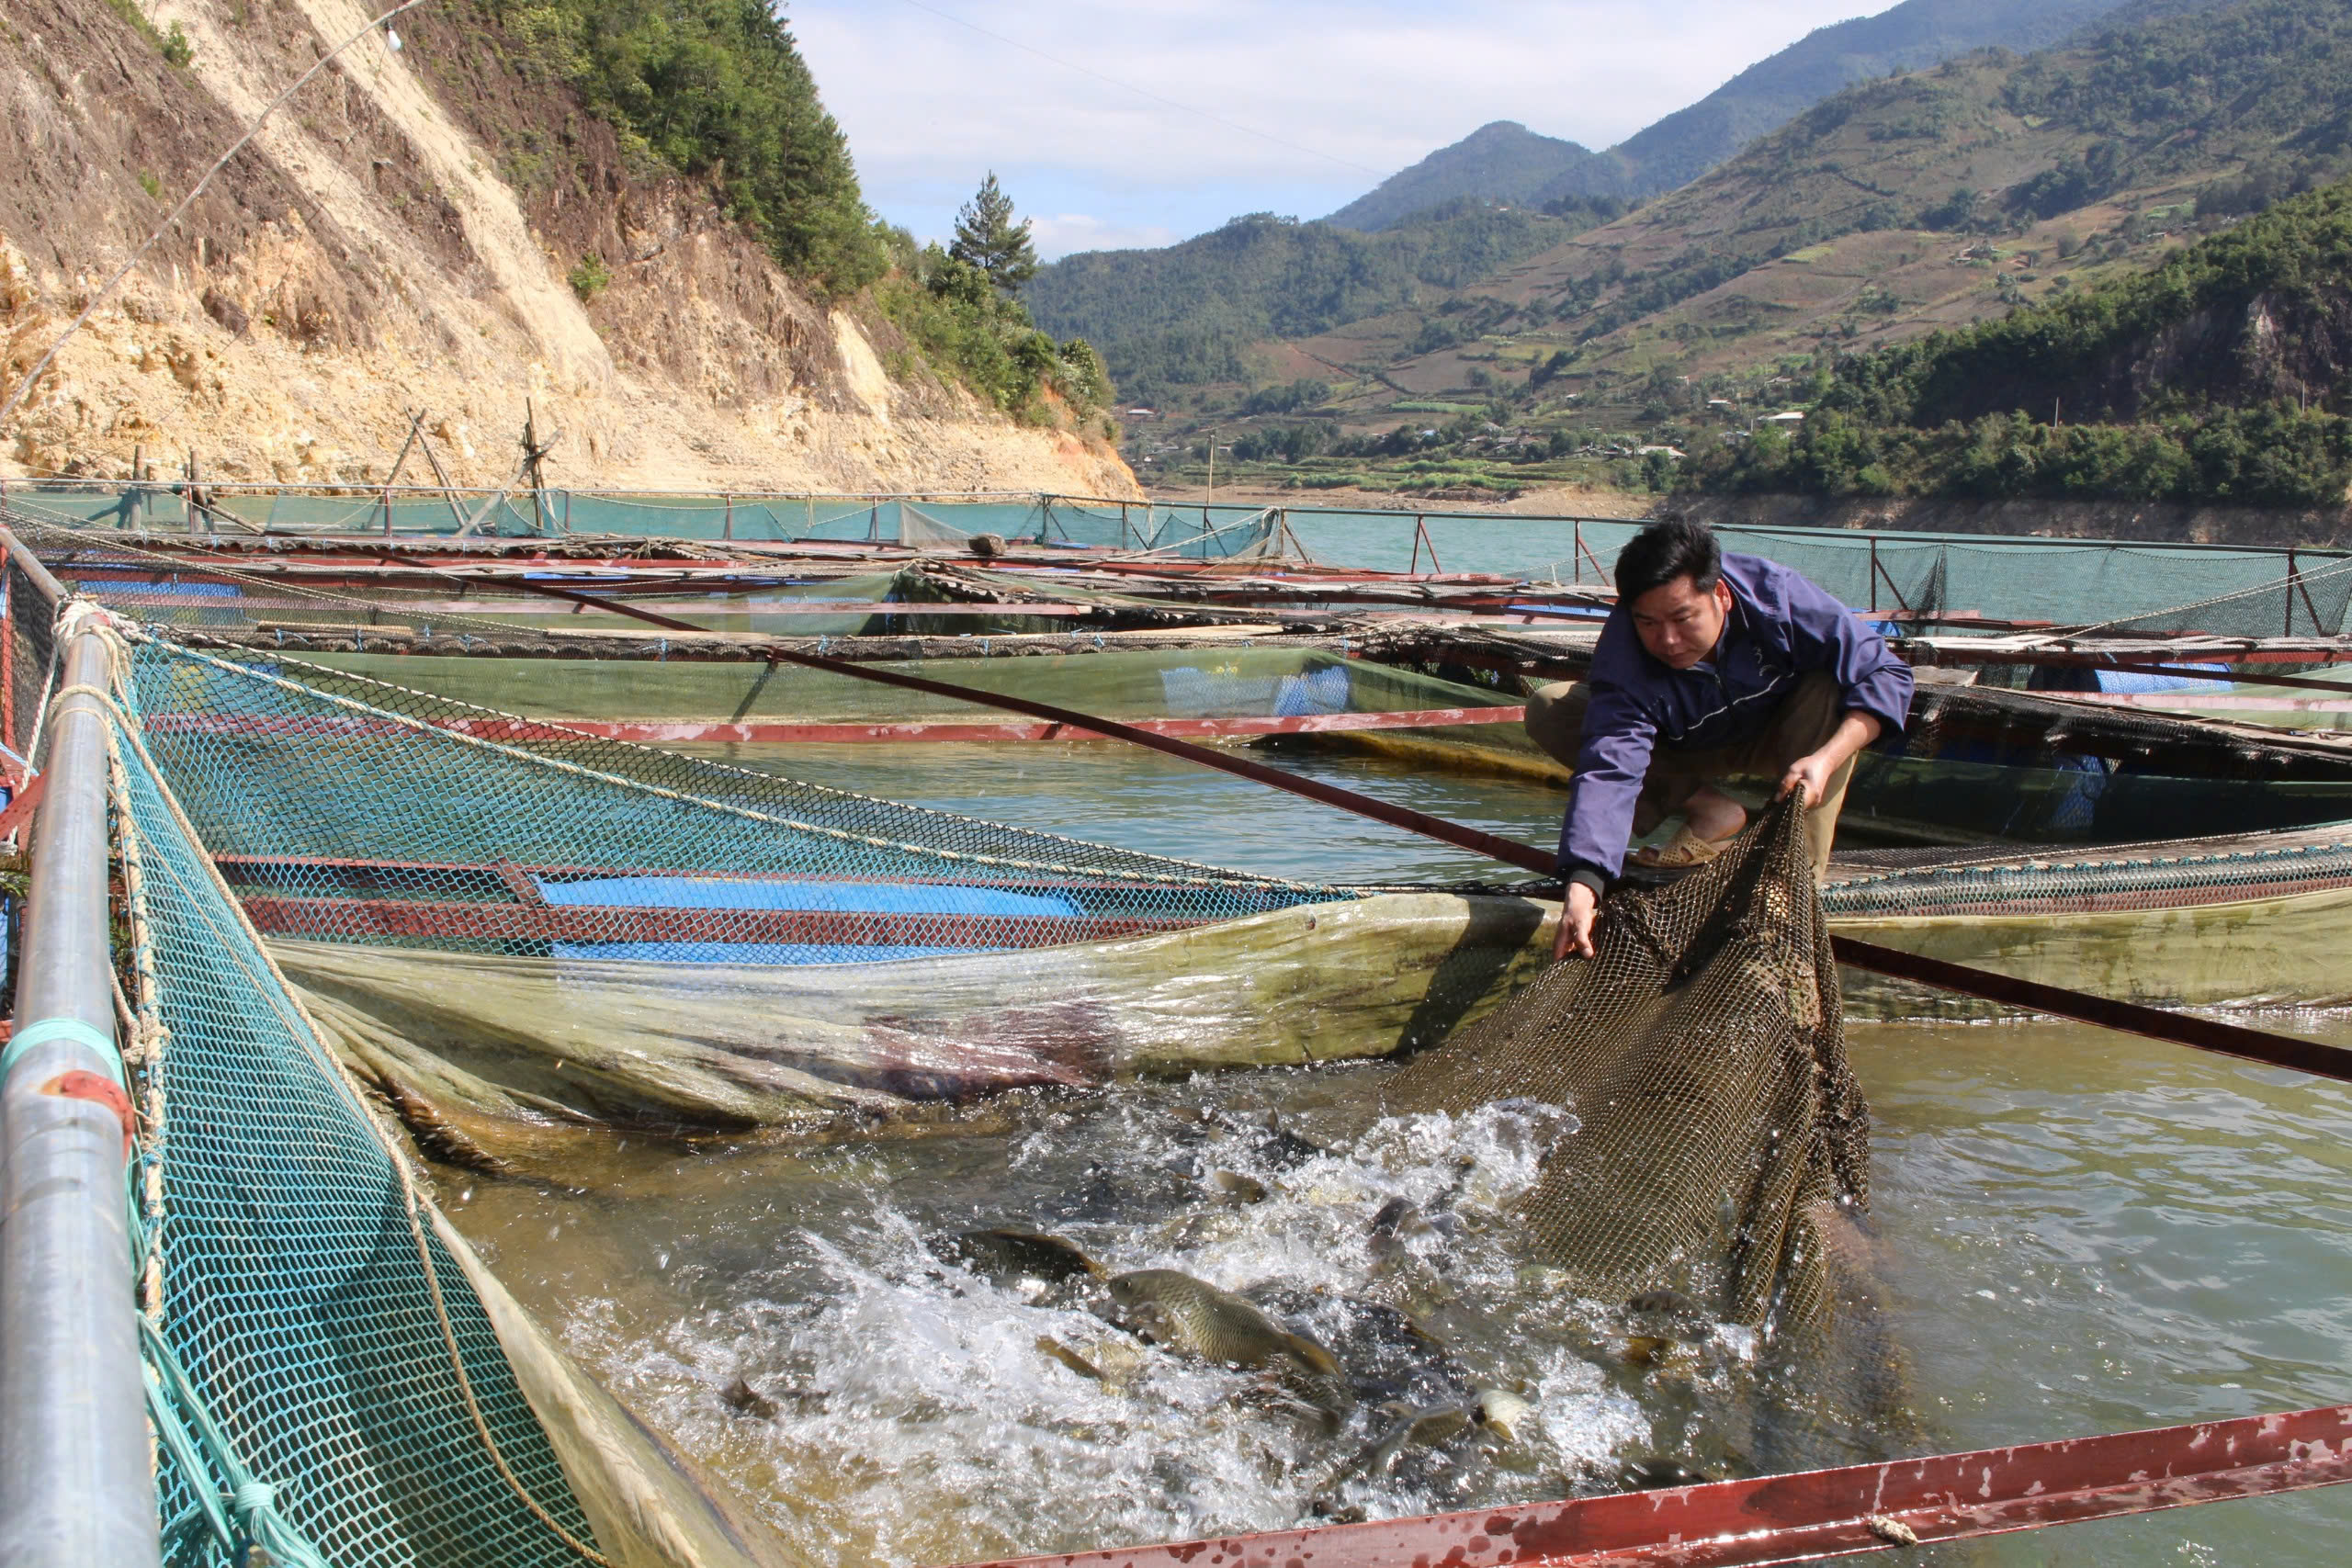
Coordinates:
(1012, 1258)
(1234, 1187)
(1174, 1310)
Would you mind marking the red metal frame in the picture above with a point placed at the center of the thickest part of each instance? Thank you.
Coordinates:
(671, 731)
(1816, 1513)
(280, 915)
(666, 732)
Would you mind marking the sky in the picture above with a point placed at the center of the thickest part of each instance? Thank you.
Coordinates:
(1147, 121)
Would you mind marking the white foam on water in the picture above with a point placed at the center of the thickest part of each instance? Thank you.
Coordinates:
(911, 1413)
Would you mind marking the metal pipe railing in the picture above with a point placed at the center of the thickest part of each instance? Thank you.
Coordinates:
(76, 1487)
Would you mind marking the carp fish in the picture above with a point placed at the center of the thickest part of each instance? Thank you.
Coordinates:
(1174, 1310)
(1013, 1258)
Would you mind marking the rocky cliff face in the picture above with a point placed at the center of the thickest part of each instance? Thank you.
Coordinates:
(401, 236)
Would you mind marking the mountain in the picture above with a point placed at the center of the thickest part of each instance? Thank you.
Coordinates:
(1767, 94)
(2223, 374)
(1184, 314)
(1171, 321)
(1894, 210)
(1506, 162)
(634, 219)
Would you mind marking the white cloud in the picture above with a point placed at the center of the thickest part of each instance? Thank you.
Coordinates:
(1067, 232)
(1211, 103)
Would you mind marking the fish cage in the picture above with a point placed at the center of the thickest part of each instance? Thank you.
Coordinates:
(292, 922)
(1913, 576)
(1149, 530)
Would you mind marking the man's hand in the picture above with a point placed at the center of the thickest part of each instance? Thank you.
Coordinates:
(1810, 775)
(1578, 910)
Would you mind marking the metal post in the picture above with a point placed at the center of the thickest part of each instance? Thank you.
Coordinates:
(75, 1483)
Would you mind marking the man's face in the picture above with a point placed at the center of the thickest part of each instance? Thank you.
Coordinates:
(1677, 623)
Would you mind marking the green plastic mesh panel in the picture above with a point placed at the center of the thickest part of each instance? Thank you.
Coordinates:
(1703, 1053)
(347, 809)
(2121, 877)
(293, 1292)
(2130, 586)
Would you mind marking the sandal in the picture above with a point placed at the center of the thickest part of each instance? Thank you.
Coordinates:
(1683, 851)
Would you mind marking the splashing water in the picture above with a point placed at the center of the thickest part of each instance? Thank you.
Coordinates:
(887, 1405)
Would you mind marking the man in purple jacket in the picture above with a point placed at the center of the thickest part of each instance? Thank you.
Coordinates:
(1711, 667)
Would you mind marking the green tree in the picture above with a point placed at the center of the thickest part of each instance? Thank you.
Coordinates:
(987, 237)
(717, 89)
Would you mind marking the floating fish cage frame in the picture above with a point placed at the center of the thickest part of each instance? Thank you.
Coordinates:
(158, 1365)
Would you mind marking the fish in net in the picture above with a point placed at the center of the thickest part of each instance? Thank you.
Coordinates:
(1722, 1143)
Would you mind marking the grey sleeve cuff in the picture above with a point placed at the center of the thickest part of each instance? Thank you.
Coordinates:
(1587, 875)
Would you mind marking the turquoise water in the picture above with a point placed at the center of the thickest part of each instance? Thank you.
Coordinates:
(1515, 547)
(2081, 1233)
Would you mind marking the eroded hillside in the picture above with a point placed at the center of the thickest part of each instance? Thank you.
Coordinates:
(433, 227)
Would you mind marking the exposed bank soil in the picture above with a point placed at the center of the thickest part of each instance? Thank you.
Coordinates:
(2163, 521)
(400, 236)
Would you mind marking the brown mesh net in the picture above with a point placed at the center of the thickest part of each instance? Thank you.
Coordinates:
(1724, 1144)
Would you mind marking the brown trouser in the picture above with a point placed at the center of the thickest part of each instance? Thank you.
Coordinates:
(1805, 723)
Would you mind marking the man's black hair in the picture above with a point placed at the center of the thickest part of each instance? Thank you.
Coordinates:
(1668, 549)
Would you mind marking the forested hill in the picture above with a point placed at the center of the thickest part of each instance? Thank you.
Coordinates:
(1183, 315)
(1911, 37)
(1501, 161)
(1506, 162)
(2225, 374)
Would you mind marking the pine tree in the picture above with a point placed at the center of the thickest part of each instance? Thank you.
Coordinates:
(987, 237)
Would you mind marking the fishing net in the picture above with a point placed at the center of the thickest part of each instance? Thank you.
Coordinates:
(333, 1379)
(516, 930)
(1194, 533)
(2125, 586)
(1724, 1139)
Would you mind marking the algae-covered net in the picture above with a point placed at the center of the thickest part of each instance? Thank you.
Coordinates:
(1724, 1142)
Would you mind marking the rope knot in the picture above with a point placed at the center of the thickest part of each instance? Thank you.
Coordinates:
(253, 1498)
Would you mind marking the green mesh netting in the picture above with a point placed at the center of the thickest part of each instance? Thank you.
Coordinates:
(350, 809)
(347, 811)
(1189, 532)
(2127, 586)
(294, 1295)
